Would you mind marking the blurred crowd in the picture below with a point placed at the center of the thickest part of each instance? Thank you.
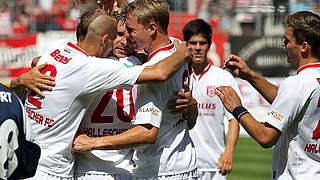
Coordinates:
(19, 17)
(23, 16)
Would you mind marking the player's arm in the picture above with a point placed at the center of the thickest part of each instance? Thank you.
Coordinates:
(137, 136)
(225, 161)
(162, 70)
(32, 80)
(265, 134)
(241, 69)
(185, 104)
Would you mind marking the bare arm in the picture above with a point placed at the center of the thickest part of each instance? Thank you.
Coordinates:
(32, 80)
(225, 161)
(139, 135)
(241, 69)
(162, 70)
(265, 134)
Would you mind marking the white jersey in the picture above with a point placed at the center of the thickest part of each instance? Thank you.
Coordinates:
(111, 114)
(208, 134)
(296, 113)
(54, 120)
(173, 152)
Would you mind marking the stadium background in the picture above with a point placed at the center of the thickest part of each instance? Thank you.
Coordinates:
(252, 29)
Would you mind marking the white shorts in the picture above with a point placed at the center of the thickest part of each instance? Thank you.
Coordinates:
(91, 176)
(41, 175)
(191, 175)
(210, 175)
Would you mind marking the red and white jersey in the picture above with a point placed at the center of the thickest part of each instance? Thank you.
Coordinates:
(208, 134)
(111, 114)
(173, 151)
(296, 113)
(54, 120)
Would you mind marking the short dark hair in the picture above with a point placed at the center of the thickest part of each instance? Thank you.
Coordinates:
(306, 28)
(196, 27)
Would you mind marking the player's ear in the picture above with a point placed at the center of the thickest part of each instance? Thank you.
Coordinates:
(104, 39)
(304, 48)
(152, 28)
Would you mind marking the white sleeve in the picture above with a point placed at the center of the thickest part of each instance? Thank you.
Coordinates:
(105, 74)
(149, 105)
(285, 106)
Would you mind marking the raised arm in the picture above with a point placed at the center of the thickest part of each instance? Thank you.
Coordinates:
(241, 69)
(162, 70)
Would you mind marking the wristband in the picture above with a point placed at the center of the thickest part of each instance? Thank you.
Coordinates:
(239, 111)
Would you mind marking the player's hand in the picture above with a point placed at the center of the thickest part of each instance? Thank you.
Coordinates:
(238, 66)
(183, 102)
(36, 81)
(225, 163)
(229, 97)
(35, 61)
(181, 48)
(82, 143)
(111, 6)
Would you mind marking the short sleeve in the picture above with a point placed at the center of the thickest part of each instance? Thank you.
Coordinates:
(149, 105)
(286, 105)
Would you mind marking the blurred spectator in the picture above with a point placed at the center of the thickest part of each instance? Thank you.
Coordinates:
(5, 20)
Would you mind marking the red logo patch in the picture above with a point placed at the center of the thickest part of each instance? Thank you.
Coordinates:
(211, 90)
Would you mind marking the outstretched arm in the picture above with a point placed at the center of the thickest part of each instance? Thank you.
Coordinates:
(162, 70)
(241, 69)
(139, 135)
(225, 161)
(265, 134)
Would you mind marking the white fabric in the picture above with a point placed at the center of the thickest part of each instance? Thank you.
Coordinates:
(191, 175)
(111, 114)
(78, 77)
(208, 134)
(296, 113)
(210, 175)
(40, 175)
(173, 152)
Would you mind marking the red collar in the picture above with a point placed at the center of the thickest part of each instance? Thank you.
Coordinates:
(205, 71)
(312, 65)
(77, 48)
(164, 48)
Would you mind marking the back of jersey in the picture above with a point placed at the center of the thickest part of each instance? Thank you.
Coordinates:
(18, 157)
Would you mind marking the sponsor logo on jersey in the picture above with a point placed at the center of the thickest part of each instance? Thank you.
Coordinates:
(145, 110)
(276, 115)
(211, 90)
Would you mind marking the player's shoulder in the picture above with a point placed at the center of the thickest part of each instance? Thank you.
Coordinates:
(222, 73)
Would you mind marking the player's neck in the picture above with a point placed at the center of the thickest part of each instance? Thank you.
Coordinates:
(308, 60)
(199, 68)
(159, 41)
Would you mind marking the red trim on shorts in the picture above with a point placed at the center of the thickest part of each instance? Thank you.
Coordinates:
(315, 65)
(77, 48)
(166, 48)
